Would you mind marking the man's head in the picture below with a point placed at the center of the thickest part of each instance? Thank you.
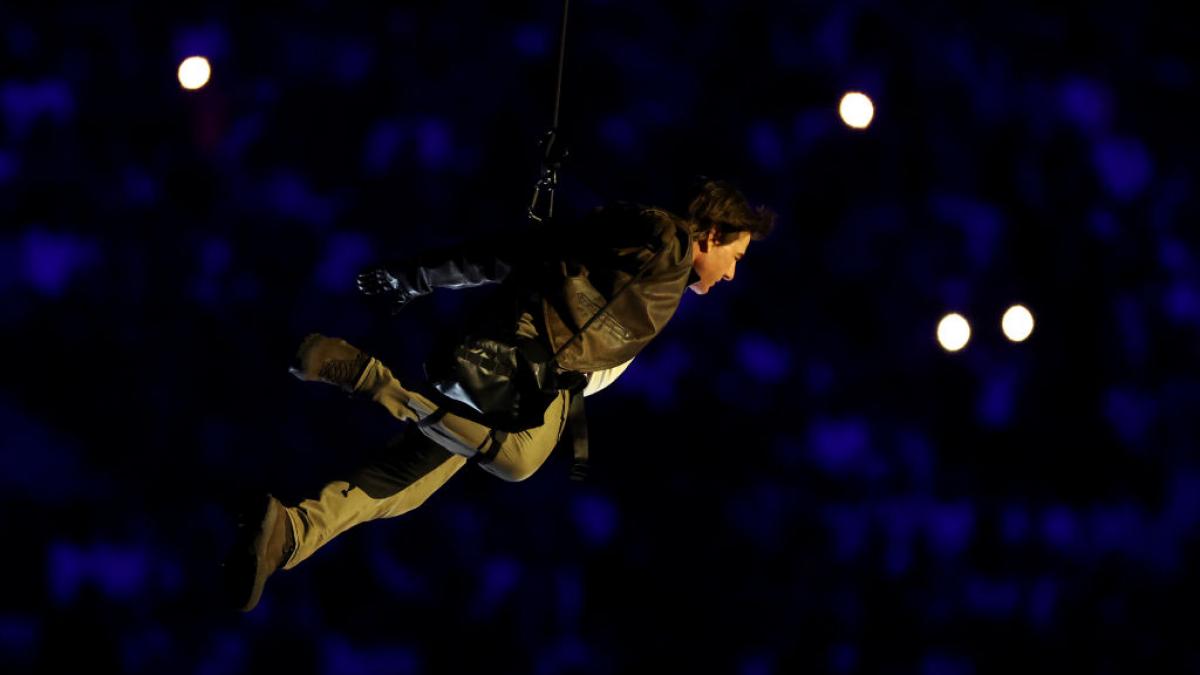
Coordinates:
(724, 224)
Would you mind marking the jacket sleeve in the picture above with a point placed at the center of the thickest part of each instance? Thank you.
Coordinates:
(463, 266)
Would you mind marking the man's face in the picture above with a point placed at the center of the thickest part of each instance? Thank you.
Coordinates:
(715, 262)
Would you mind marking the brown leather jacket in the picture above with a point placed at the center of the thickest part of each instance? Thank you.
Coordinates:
(635, 265)
(620, 272)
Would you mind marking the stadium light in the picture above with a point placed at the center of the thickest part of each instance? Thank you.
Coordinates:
(953, 332)
(856, 110)
(194, 72)
(1017, 323)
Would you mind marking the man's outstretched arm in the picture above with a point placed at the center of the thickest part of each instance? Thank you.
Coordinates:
(463, 266)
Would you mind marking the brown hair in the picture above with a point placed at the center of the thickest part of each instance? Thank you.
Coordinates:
(719, 204)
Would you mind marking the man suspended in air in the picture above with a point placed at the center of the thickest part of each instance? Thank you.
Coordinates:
(573, 313)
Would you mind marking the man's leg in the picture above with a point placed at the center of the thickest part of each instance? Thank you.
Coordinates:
(337, 362)
(516, 457)
(405, 475)
(399, 480)
(402, 480)
(281, 537)
(274, 536)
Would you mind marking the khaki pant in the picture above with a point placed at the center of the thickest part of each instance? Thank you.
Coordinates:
(403, 476)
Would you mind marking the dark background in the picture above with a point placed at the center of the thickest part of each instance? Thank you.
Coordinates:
(794, 477)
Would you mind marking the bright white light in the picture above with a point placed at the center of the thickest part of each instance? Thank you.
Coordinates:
(1017, 323)
(194, 72)
(953, 332)
(857, 110)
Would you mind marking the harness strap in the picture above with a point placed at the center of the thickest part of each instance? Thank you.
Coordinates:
(577, 424)
(487, 456)
(433, 418)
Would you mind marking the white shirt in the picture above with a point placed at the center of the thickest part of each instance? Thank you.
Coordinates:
(602, 378)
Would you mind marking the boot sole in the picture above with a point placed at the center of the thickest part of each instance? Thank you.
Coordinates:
(245, 574)
(307, 369)
(298, 367)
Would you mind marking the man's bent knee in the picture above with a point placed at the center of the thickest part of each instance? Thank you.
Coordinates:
(511, 472)
(517, 456)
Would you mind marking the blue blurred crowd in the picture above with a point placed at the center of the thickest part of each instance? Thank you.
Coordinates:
(794, 477)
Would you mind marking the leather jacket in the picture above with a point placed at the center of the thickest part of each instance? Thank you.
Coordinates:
(621, 272)
(634, 263)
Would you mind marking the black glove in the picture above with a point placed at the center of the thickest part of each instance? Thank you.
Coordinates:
(385, 288)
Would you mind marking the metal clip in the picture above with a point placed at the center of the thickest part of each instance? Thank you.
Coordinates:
(541, 206)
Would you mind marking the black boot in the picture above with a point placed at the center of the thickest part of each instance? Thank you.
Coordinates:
(330, 360)
(264, 541)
